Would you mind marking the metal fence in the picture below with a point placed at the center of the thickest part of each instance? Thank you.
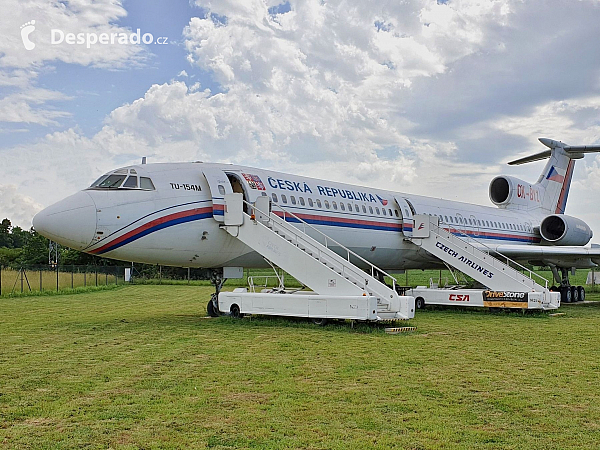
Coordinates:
(30, 279)
(45, 278)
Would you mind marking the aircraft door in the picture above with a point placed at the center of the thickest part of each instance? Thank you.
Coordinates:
(219, 186)
(407, 212)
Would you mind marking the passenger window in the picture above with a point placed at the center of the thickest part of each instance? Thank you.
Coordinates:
(318, 203)
(131, 182)
(283, 198)
(326, 204)
(396, 212)
(450, 217)
(342, 207)
(310, 202)
(293, 199)
(371, 209)
(349, 207)
(274, 197)
(334, 205)
(221, 189)
(301, 199)
(356, 208)
(377, 210)
(112, 182)
(390, 211)
(383, 211)
(146, 183)
(364, 209)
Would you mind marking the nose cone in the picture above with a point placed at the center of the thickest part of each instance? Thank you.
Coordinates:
(70, 222)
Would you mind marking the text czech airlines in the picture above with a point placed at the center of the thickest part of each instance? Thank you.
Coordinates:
(287, 185)
(464, 259)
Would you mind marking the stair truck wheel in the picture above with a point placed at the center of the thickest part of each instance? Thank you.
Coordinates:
(574, 294)
(419, 303)
(235, 311)
(320, 322)
(581, 290)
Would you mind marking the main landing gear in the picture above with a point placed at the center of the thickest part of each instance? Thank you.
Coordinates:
(217, 280)
(568, 293)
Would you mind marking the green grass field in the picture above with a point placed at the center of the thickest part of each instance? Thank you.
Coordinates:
(141, 367)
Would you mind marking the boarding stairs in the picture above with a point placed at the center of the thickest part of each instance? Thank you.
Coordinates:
(284, 240)
(474, 259)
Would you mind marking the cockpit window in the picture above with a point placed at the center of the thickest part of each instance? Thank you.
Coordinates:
(131, 182)
(146, 183)
(123, 179)
(111, 182)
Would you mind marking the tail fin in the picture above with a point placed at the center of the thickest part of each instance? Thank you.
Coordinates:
(555, 180)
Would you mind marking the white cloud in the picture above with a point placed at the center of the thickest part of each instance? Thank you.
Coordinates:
(17, 207)
(20, 107)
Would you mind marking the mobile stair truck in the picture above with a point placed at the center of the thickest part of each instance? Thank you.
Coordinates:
(340, 289)
(508, 287)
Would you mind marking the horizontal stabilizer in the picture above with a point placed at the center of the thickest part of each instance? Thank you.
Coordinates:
(573, 151)
(582, 148)
(538, 156)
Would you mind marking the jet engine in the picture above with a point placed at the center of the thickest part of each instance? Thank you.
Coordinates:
(510, 192)
(559, 229)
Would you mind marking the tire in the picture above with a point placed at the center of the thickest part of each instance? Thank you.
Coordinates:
(574, 294)
(235, 311)
(320, 322)
(565, 294)
(419, 303)
(553, 289)
(210, 309)
(581, 293)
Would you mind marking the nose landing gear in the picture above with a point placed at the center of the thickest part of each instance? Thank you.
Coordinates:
(217, 280)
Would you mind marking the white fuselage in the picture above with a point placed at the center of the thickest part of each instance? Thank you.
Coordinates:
(174, 223)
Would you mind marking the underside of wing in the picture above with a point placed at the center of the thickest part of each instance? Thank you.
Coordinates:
(561, 256)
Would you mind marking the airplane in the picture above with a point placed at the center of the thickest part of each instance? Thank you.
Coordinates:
(170, 214)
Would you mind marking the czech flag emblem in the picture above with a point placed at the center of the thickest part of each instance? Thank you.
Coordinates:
(383, 202)
(553, 175)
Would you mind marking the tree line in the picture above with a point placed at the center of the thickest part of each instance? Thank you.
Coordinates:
(19, 247)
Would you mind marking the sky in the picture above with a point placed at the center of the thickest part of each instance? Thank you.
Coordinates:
(419, 96)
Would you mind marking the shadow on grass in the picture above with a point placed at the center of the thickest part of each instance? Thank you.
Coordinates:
(342, 326)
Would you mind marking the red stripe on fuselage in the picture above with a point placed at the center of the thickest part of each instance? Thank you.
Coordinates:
(151, 224)
(344, 220)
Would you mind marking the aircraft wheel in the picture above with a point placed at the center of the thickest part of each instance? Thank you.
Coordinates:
(320, 322)
(553, 288)
(565, 294)
(419, 303)
(574, 294)
(210, 309)
(235, 311)
(581, 290)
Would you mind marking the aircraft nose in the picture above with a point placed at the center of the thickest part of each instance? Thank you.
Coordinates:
(70, 222)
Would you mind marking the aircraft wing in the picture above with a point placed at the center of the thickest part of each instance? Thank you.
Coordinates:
(562, 256)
